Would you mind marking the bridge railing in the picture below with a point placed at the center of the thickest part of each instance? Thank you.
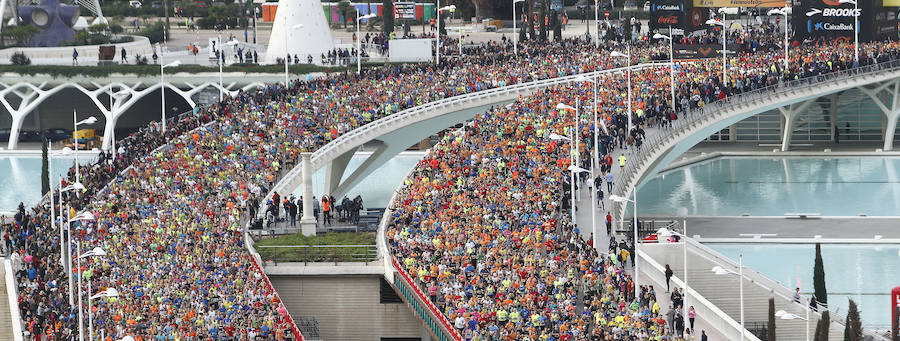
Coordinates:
(695, 118)
(434, 320)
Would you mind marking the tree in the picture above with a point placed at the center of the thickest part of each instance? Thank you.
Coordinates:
(822, 327)
(847, 329)
(856, 330)
(522, 36)
(529, 5)
(20, 34)
(557, 25)
(771, 330)
(45, 165)
(819, 277)
(387, 13)
(344, 7)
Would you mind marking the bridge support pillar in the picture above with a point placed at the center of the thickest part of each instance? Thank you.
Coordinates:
(308, 220)
(334, 171)
(890, 129)
(788, 129)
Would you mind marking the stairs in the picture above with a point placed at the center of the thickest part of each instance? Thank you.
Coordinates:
(6, 326)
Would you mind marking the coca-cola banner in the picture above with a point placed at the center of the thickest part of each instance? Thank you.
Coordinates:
(665, 14)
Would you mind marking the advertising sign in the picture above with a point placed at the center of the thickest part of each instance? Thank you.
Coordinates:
(405, 10)
(695, 19)
(828, 19)
(665, 14)
(740, 3)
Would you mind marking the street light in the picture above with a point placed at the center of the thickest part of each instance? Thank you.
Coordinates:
(231, 43)
(515, 32)
(109, 292)
(666, 232)
(96, 252)
(359, 39)
(714, 22)
(573, 153)
(785, 12)
(718, 270)
(855, 27)
(64, 248)
(288, 55)
(789, 316)
(89, 120)
(621, 199)
(438, 41)
(162, 88)
(617, 54)
(671, 61)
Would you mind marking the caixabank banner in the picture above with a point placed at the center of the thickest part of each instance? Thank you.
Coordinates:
(834, 21)
(665, 14)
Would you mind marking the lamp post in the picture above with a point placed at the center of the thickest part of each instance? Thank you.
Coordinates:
(666, 232)
(515, 31)
(718, 270)
(596, 24)
(231, 43)
(617, 54)
(162, 88)
(95, 252)
(359, 40)
(785, 12)
(594, 150)
(286, 30)
(714, 22)
(789, 316)
(437, 43)
(109, 292)
(65, 252)
(855, 27)
(621, 199)
(671, 61)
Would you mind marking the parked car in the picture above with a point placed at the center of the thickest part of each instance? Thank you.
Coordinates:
(29, 136)
(58, 134)
(135, 4)
(4, 135)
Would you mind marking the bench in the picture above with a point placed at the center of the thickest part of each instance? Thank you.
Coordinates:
(803, 215)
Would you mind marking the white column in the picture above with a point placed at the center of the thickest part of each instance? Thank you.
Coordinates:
(308, 220)
(890, 130)
(788, 128)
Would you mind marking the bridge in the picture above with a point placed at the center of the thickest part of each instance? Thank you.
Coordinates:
(117, 95)
(880, 82)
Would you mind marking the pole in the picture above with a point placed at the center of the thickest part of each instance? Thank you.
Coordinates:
(672, 64)
(629, 88)
(77, 167)
(286, 81)
(785, 39)
(515, 31)
(80, 315)
(594, 152)
(68, 253)
(741, 275)
(596, 24)
(724, 54)
(634, 258)
(572, 177)
(358, 46)
(254, 25)
(53, 222)
(437, 43)
(220, 62)
(90, 314)
(684, 262)
(807, 322)
(162, 87)
(577, 125)
(856, 31)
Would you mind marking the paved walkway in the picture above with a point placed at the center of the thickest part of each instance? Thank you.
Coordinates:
(665, 301)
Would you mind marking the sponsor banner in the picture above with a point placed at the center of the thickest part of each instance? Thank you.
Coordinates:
(695, 19)
(891, 3)
(405, 10)
(665, 14)
(702, 51)
(833, 21)
(740, 3)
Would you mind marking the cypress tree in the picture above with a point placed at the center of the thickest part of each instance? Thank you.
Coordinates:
(557, 26)
(819, 277)
(771, 330)
(529, 6)
(45, 165)
(895, 327)
(522, 36)
(856, 330)
(387, 16)
(822, 327)
(847, 328)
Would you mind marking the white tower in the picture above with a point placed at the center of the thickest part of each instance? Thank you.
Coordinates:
(301, 25)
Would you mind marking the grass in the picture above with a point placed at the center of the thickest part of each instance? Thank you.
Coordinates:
(319, 254)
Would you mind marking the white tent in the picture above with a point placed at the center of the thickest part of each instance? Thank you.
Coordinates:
(302, 26)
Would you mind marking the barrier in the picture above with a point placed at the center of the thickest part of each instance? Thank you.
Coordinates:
(443, 330)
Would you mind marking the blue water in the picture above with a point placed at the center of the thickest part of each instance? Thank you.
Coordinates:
(376, 189)
(773, 186)
(20, 178)
(864, 273)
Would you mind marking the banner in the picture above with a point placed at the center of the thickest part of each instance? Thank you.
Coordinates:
(741, 3)
(405, 10)
(828, 19)
(891, 3)
(702, 51)
(665, 14)
(695, 19)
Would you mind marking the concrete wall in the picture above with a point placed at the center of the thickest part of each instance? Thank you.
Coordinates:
(140, 45)
(347, 308)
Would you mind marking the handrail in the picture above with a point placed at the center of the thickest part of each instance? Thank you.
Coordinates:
(12, 294)
(421, 296)
(714, 111)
